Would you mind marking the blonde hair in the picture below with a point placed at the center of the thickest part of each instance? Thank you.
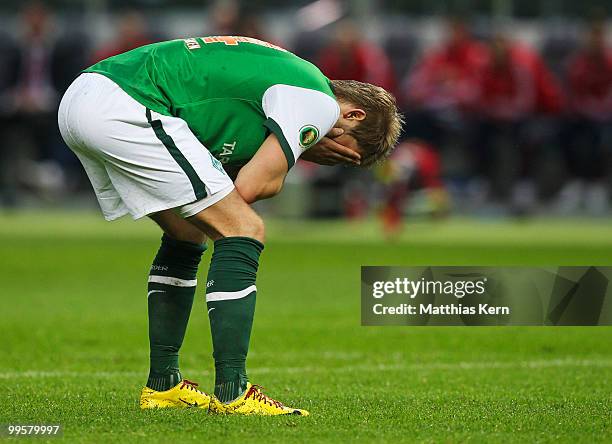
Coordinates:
(378, 133)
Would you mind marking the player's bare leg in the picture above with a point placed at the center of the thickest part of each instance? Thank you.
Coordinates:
(178, 228)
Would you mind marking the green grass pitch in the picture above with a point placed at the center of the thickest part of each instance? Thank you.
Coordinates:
(73, 338)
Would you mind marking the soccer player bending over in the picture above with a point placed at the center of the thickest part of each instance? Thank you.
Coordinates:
(190, 132)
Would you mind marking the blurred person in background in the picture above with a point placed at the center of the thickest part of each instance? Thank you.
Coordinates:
(507, 100)
(588, 131)
(439, 96)
(550, 100)
(443, 89)
(507, 85)
(131, 32)
(539, 142)
(35, 70)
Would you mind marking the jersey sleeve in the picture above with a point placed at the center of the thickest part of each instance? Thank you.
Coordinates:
(298, 117)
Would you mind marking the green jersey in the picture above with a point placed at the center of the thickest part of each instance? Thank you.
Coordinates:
(232, 92)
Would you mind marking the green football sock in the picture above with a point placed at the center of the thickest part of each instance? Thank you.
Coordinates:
(172, 284)
(230, 296)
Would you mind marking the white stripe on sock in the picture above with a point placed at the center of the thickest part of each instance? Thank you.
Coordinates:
(227, 295)
(176, 282)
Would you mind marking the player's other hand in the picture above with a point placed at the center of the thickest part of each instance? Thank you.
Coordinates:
(329, 151)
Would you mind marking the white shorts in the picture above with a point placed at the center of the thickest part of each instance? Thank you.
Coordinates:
(138, 161)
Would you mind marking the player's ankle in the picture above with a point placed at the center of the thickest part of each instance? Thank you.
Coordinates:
(163, 382)
(229, 391)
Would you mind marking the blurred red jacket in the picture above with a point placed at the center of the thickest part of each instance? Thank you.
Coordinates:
(447, 77)
(507, 87)
(549, 98)
(590, 84)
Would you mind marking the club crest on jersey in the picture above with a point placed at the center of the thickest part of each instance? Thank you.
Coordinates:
(308, 136)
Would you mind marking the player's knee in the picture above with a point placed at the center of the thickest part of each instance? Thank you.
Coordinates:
(245, 225)
(229, 217)
(253, 226)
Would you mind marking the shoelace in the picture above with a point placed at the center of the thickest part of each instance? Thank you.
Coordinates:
(190, 385)
(256, 393)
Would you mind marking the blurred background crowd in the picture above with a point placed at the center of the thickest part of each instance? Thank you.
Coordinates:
(508, 104)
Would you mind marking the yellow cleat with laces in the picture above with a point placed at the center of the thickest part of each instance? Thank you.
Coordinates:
(254, 402)
(184, 395)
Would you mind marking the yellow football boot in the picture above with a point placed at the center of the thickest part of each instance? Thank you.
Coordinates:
(254, 402)
(183, 395)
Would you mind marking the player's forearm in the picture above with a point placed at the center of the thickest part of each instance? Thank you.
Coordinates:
(263, 176)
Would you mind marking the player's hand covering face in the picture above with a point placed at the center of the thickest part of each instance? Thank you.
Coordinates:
(336, 148)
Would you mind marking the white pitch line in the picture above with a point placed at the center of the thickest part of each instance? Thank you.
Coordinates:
(484, 365)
